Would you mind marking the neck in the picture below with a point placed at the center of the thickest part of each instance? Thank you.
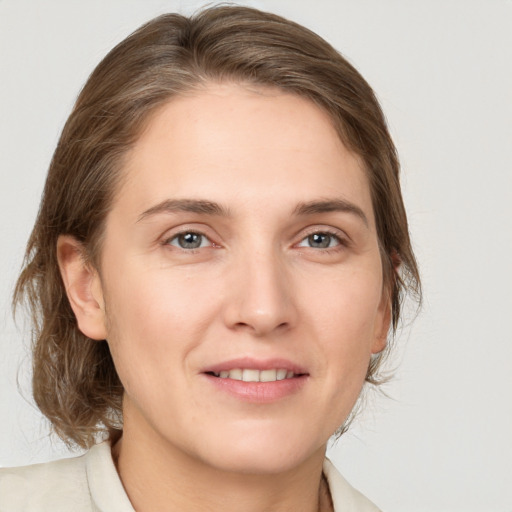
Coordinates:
(157, 476)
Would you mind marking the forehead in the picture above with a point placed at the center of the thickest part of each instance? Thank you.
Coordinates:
(244, 144)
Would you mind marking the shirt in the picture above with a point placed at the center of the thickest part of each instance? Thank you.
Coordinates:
(90, 483)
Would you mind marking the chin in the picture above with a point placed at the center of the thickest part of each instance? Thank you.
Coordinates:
(264, 454)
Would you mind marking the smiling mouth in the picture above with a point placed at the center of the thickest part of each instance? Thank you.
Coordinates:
(252, 375)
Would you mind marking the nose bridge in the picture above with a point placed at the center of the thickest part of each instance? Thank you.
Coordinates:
(261, 300)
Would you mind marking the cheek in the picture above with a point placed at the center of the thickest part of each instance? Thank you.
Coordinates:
(350, 306)
(152, 300)
(346, 344)
(347, 318)
(154, 320)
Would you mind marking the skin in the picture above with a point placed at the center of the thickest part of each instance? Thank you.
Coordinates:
(258, 286)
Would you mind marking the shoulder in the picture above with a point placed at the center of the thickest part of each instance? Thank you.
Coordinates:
(345, 497)
(79, 484)
(58, 485)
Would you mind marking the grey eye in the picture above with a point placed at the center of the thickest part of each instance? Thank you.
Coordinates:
(189, 240)
(320, 241)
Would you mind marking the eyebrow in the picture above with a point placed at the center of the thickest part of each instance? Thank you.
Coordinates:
(185, 205)
(331, 205)
(202, 206)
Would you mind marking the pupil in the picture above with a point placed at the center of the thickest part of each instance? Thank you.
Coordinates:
(320, 240)
(190, 240)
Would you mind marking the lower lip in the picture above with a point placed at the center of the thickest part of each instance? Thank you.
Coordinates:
(259, 392)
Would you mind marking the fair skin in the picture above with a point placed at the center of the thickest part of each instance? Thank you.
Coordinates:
(242, 237)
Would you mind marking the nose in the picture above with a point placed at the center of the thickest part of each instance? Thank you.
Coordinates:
(261, 299)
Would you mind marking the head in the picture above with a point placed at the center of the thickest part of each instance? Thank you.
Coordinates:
(75, 382)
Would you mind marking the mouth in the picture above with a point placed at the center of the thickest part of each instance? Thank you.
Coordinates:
(254, 375)
(257, 381)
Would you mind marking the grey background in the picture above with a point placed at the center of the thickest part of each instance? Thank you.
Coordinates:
(442, 70)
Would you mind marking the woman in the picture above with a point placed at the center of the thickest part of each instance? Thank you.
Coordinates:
(220, 253)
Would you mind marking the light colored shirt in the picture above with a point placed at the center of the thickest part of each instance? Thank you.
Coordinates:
(90, 483)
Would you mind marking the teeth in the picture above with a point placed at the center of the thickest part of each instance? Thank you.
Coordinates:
(250, 375)
(235, 374)
(268, 375)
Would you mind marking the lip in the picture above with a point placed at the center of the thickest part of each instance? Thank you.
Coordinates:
(256, 364)
(257, 392)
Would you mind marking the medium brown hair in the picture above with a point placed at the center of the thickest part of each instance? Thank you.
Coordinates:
(75, 383)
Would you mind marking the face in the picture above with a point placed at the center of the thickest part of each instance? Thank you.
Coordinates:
(242, 280)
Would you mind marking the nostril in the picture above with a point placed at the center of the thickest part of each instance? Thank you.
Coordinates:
(261, 328)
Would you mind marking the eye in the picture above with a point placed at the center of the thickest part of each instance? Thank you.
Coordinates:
(321, 240)
(189, 240)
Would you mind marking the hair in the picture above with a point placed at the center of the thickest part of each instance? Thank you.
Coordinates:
(75, 383)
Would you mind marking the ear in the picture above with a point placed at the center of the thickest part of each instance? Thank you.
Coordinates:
(382, 323)
(83, 288)
(385, 311)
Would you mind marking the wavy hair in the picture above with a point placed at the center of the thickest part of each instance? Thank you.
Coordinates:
(75, 383)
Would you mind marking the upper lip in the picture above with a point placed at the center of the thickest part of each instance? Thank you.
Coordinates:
(250, 363)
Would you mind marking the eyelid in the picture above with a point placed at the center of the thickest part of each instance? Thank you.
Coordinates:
(173, 233)
(328, 230)
(205, 242)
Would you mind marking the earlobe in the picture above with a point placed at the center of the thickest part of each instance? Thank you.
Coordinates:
(83, 288)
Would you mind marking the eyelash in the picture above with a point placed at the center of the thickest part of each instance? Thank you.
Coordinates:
(340, 241)
(176, 236)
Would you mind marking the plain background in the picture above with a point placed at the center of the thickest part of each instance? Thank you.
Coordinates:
(442, 70)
